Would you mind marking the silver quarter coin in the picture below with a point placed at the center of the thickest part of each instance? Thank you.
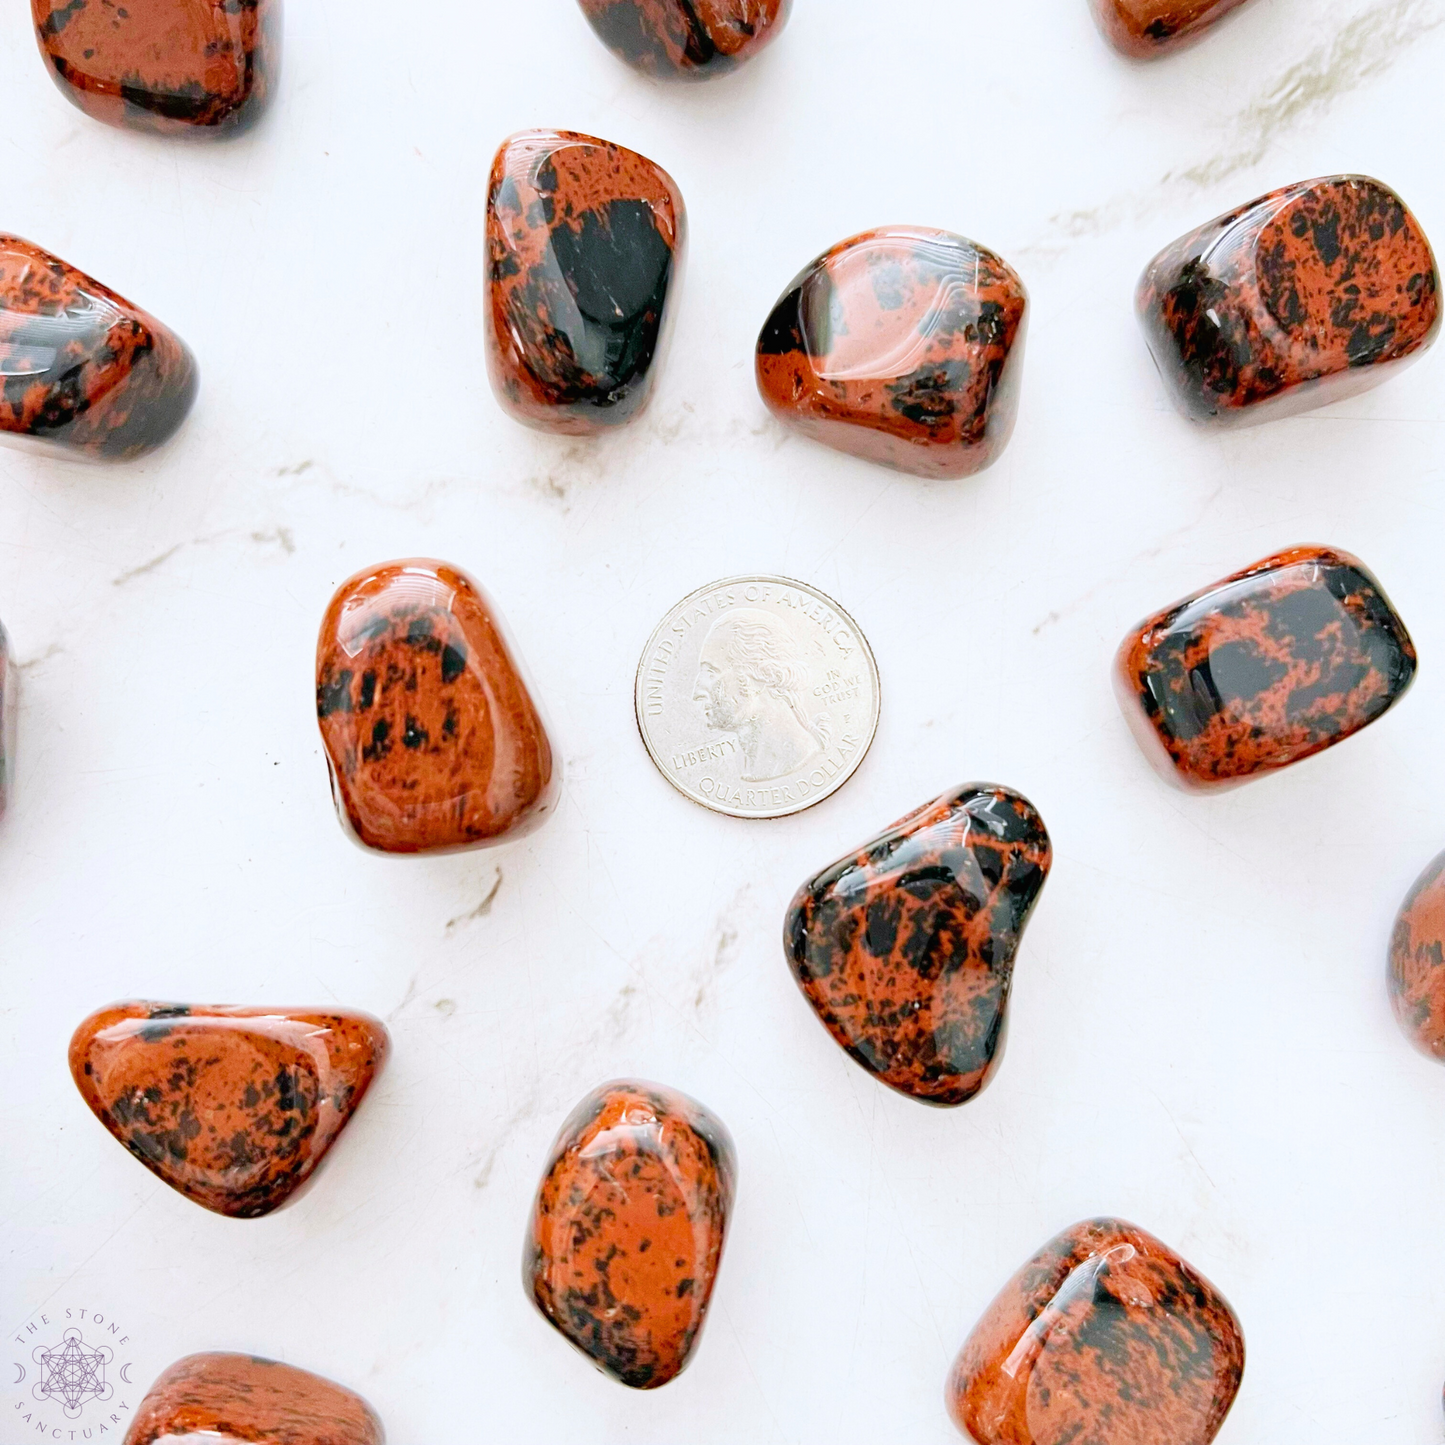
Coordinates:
(757, 697)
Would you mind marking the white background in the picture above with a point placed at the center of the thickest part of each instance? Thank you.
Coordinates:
(1201, 1037)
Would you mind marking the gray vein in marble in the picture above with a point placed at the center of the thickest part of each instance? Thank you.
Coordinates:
(1364, 48)
(482, 909)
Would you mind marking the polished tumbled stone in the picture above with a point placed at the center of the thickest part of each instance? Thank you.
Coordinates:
(1269, 666)
(222, 1399)
(905, 948)
(83, 373)
(686, 39)
(1311, 294)
(628, 1229)
(176, 67)
(1146, 28)
(902, 346)
(434, 741)
(233, 1107)
(584, 243)
(1105, 1337)
(1417, 962)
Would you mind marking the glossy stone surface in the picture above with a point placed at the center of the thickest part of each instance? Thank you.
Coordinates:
(1417, 962)
(584, 239)
(905, 948)
(83, 373)
(686, 39)
(175, 67)
(1308, 295)
(243, 1400)
(432, 736)
(9, 711)
(903, 346)
(1146, 28)
(1271, 665)
(628, 1229)
(1105, 1337)
(233, 1107)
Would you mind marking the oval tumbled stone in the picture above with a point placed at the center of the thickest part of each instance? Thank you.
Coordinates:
(628, 1229)
(233, 1107)
(1417, 962)
(905, 948)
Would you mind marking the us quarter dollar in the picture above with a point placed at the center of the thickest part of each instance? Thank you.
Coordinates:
(757, 697)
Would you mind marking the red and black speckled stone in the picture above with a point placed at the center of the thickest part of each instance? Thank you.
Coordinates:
(9, 709)
(433, 739)
(1105, 1337)
(1271, 665)
(628, 1229)
(233, 1107)
(1306, 296)
(83, 373)
(1146, 28)
(176, 67)
(1417, 963)
(245, 1400)
(686, 39)
(583, 240)
(905, 949)
(902, 346)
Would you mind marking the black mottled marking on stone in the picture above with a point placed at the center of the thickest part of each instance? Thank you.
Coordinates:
(57, 20)
(380, 744)
(783, 331)
(624, 30)
(368, 691)
(454, 662)
(930, 396)
(419, 634)
(334, 694)
(415, 736)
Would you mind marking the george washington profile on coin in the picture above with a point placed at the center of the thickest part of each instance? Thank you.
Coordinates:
(757, 696)
(751, 682)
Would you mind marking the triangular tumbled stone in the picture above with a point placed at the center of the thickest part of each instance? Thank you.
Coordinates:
(905, 949)
(234, 1107)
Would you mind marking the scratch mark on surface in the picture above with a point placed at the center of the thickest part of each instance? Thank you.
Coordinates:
(54, 650)
(482, 909)
(406, 998)
(724, 950)
(131, 573)
(1187, 1145)
(1147, 555)
(300, 469)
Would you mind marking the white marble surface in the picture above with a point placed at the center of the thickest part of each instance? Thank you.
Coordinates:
(1201, 1037)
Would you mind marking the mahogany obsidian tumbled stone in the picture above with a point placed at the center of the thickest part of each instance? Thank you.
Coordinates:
(628, 1229)
(584, 240)
(432, 736)
(1308, 295)
(233, 1107)
(1105, 1337)
(245, 1400)
(1417, 962)
(83, 373)
(903, 346)
(177, 67)
(686, 39)
(905, 949)
(1146, 28)
(1271, 665)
